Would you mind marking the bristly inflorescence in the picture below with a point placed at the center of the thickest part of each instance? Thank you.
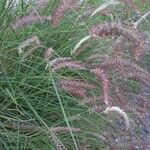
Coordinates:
(78, 92)
(103, 77)
(117, 28)
(130, 68)
(61, 129)
(48, 53)
(31, 44)
(29, 19)
(78, 83)
(106, 70)
(60, 63)
(119, 111)
(59, 13)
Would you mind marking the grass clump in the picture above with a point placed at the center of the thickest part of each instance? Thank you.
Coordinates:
(60, 92)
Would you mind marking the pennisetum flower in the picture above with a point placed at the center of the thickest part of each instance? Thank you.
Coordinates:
(129, 68)
(57, 130)
(59, 13)
(23, 126)
(57, 143)
(103, 77)
(60, 129)
(79, 92)
(33, 42)
(75, 83)
(29, 19)
(48, 53)
(112, 29)
(66, 62)
(117, 28)
(120, 112)
(92, 100)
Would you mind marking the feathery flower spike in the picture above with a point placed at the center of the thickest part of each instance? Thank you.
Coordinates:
(30, 19)
(69, 64)
(34, 40)
(48, 53)
(60, 11)
(100, 73)
(117, 28)
(66, 62)
(56, 142)
(130, 68)
(119, 111)
(75, 83)
(79, 92)
(23, 126)
(60, 129)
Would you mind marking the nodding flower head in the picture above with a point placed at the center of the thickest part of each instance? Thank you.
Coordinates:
(29, 19)
(48, 53)
(117, 28)
(120, 112)
(60, 11)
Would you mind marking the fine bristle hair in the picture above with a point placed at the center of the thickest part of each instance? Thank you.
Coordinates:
(22, 126)
(60, 129)
(117, 28)
(66, 63)
(60, 11)
(78, 83)
(119, 111)
(29, 19)
(57, 144)
(130, 68)
(48, 53)
(103, 77)
(34, 40)
(79, 92)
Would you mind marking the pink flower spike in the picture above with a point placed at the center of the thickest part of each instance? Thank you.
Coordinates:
(69, 64)
(76, 83)
(48, 53)
(60, 11)
(105, 83)
(79, 92)
(117, 28)
(29, 19)
(64, 129)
